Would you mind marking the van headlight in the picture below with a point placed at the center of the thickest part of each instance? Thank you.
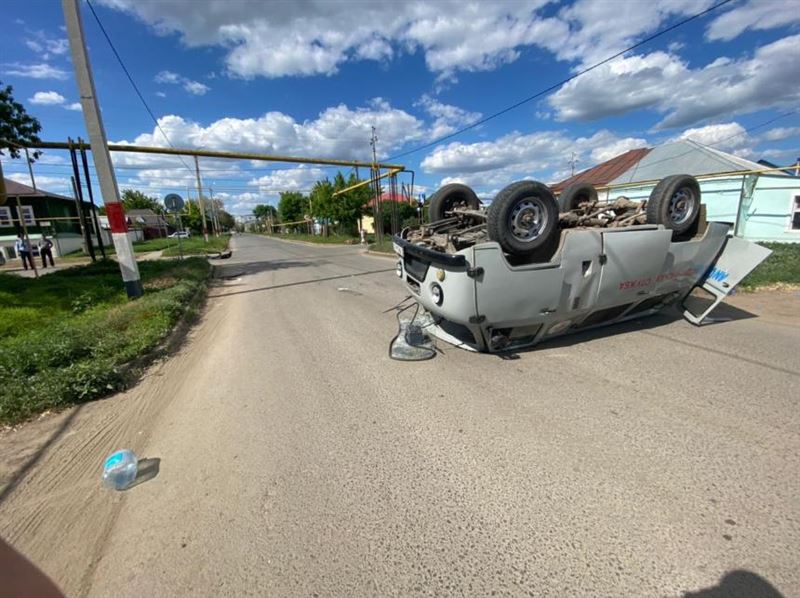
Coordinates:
(399, 269)
(437, 294)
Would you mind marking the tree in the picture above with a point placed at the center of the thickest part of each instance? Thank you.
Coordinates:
(344, 209)
(136, 200)
(265, 212)
(353, 204)
(226, 220)
(17, 127)
(191, 216)
(293, 206)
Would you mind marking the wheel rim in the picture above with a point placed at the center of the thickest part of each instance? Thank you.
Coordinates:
(528, 219)
(682, 205)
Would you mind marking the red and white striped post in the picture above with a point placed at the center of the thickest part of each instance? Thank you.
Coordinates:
(100, 153)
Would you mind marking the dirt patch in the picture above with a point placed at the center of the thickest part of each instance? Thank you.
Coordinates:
(781, 306)
(53, 507)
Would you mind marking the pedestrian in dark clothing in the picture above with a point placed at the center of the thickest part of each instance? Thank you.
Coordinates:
(23, 249)
(46, 251)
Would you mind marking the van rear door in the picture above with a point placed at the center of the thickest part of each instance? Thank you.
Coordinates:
(736, 260)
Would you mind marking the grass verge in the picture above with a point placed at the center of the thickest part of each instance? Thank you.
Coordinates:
(330, 239)
(191, 245)
(384, 246)
(780, 268)
(73, 336)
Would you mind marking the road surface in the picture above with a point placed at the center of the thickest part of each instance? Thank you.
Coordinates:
(294, 458)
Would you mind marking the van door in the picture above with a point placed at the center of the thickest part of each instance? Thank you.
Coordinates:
(736, 260)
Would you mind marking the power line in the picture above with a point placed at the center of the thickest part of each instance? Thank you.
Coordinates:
(555, 86)
(718, 143)
(132, 82)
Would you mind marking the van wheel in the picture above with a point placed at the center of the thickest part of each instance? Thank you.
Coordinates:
(576, 194)
(524, 218)
(675, 203)
(449, 197)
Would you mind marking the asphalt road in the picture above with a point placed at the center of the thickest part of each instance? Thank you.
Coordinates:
(297, 459)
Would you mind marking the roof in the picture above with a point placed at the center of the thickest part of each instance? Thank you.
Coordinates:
(603, 173)
(14, 188)
(683, 157)
(145, 217)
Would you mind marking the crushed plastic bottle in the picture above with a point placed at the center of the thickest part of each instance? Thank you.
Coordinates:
(120, 469)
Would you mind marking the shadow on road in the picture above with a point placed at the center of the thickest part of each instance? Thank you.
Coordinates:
(247, 268)
(738, 584)
(20, 474)
(302, 282)
(148, 469)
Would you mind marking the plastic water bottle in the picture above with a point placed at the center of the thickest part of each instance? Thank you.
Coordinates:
(120, 469)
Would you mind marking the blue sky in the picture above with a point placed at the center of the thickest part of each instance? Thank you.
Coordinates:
(312, 78)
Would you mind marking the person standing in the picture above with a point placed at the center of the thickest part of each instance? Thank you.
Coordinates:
(46, 251)
(23, 248)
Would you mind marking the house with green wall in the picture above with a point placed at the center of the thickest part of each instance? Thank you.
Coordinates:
(763, 204)
(43, 213)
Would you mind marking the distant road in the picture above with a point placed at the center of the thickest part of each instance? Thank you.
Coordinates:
(297, 459)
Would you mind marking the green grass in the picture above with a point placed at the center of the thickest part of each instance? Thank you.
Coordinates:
(332, 239)
(384, 246)
(194, 245)
(72, 336)
(782, 267)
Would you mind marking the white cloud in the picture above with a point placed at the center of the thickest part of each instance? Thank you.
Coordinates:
(46, 46)
(167, 77)
(195, 88)
(170, 78)
(311, 38)
(76, 106)
(779, 133)
(544, 156)
(728, 137)
(782, 157)
(35, 71)
(757, 15)
(613, 148)
(161, 94)
(599, 28)
(301, 178)
(447, 118)
(53, 184)
(686, 96)
(337, 131)
(47, 98)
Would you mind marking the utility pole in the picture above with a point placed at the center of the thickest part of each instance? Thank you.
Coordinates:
(377, 211)
(572, 165)
(100, 153)
(27, 238)
(200, 197)
(214, 210)
(30, 168)
(85, 232)
(91, 199)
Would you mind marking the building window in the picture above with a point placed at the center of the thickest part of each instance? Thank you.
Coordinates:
(27, 215)
(5, 216)
(794, 223)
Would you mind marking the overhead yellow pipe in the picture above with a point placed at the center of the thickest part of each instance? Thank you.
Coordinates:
(115, 147)
(396, 170)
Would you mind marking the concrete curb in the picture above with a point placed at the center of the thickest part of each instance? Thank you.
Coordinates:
(310, 244)
(391, 256)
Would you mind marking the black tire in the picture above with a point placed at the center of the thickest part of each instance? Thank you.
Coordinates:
(574, 195)
(675, 203)
(524, 219)
(451, 196)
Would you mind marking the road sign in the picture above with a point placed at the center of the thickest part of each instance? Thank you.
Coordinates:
(173, 202)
